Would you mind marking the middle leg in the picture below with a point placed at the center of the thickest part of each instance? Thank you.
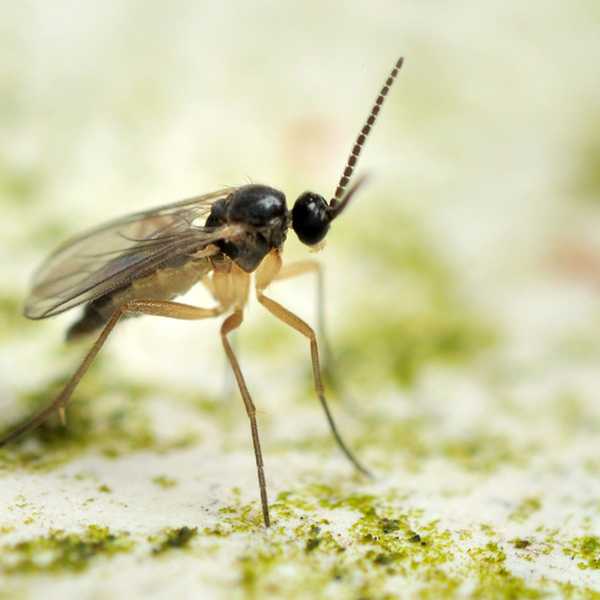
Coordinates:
(231, 323)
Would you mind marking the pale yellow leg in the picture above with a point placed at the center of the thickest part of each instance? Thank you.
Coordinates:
(233, 322)
(302, 267)
(230, 287)
(268, 272)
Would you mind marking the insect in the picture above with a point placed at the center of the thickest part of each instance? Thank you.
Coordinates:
(138, 264)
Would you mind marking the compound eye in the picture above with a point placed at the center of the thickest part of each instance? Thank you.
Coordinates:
(310, 218)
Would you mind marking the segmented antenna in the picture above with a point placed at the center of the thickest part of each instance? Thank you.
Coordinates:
(364, 132)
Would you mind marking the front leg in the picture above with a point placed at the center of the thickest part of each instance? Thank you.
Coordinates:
(302, 267)
(267, 272)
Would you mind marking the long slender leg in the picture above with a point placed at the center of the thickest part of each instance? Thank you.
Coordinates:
(233, 322)
(302, 267)
(288, 317)
(159, 308)
(328, 365)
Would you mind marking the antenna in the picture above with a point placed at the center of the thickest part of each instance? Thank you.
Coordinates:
(364, 132)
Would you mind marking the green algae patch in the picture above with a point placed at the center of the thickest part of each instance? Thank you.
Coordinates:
(416, 440)
(526, 508)
(586, 550)
(172, 539)
(60, 551)
(402, 543)
(494, 580)
(380, 545)
(383, 550)
(326, 540)
(521, 543)
(106, 415)
(165, 482)
(318, 538)
(402, 345)
(483, 452)
(237, 518)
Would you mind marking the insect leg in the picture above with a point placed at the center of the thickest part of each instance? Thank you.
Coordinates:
(302, 267)
(233, 322)
(268, 271)
(160, 308)
(328, 365)
(283, 314)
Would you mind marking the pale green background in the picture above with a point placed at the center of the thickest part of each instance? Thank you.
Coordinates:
(462, 301)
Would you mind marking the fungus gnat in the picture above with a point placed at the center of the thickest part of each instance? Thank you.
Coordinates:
(138, 264)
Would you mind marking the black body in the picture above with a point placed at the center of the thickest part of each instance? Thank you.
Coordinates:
(264, 208)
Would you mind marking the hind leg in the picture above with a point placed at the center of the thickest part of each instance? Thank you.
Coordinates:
(159, 308)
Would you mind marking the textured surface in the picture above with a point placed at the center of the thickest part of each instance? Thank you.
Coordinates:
(462, 303)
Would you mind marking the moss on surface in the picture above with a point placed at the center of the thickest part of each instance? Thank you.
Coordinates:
(585, 550)
(484, 452)
(117, 425)
(402, 345)
(385, 551)
(417, 440)
(164, 481)
(172, 538)
(495, 581)
(60, 551)
(526, 508)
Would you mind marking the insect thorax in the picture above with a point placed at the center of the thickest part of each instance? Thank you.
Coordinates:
(263, 210)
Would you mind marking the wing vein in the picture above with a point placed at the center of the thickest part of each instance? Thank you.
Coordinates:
(111, 256)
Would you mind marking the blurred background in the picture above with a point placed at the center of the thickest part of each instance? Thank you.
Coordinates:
(485, 160)
(461, 285)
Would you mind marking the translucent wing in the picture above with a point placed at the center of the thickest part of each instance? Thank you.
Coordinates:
(112, 255)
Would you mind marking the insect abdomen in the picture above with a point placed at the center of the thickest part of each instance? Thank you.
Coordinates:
(165, 283)
(90, 321)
